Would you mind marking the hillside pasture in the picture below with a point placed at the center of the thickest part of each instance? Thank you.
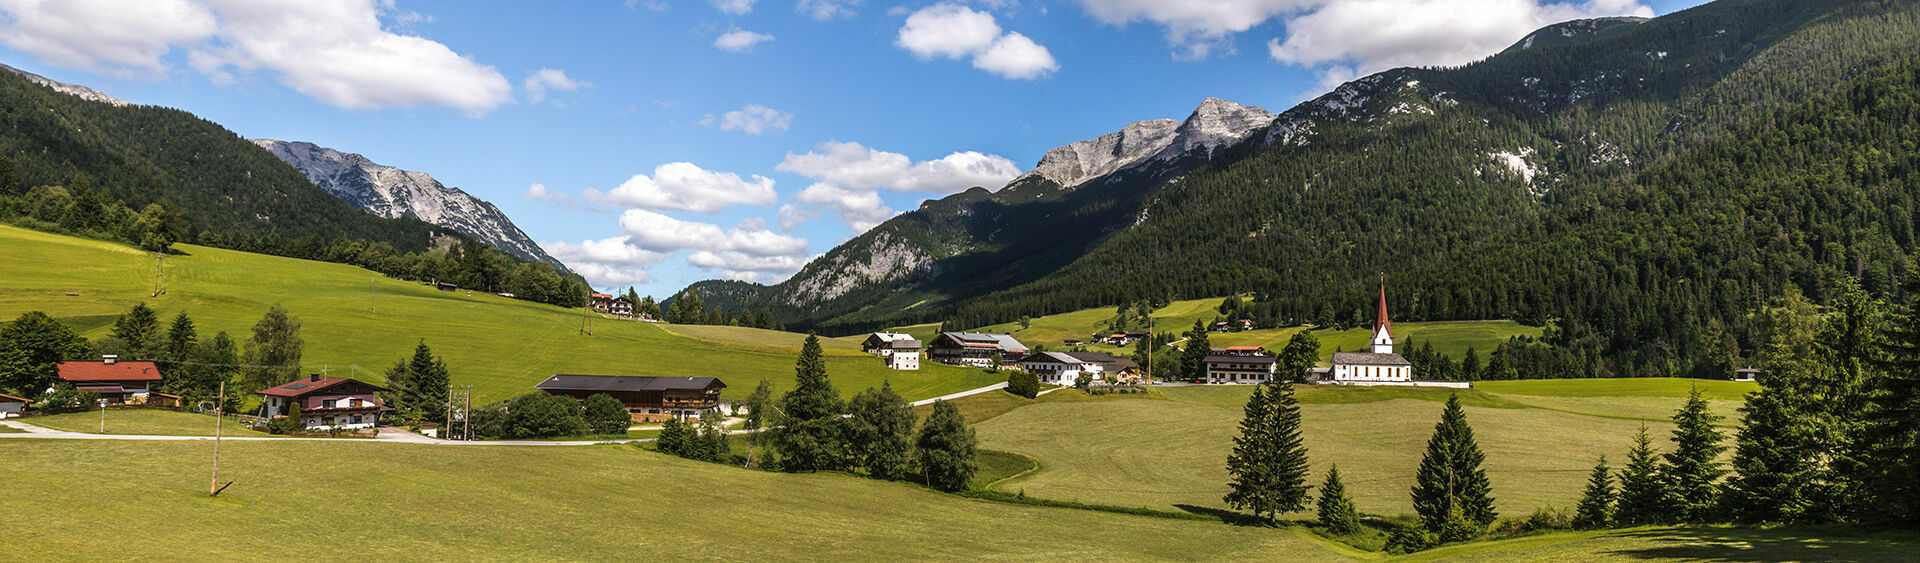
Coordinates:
(357, 323)
(152, 422)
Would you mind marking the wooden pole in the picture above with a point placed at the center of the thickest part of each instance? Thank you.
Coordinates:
(373, 301)
(219, 411)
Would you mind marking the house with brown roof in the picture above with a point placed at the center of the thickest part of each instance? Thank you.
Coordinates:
(327, 402)
(975, 349)
(113, 380)
(648, 399)
(1239, 368)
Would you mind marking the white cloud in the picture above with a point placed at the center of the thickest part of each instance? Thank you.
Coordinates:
(1195, 28)
(734, 7)
(652, 5)
(655, 232)
(740, 40)
(853, 166)
(792, 216)
(1371, 36)
(540, 192)
(651, 238)
(687, 187)
(755, 119)
(607, 262)
(824, 10)
(125, 38)
(547, 79)
(335, 51)
(1015, 56)
(739, 262)
(953, 31)
(859, 209)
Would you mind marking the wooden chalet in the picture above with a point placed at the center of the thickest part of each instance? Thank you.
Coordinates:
(975, 349)
(326, 402)
(648, 399)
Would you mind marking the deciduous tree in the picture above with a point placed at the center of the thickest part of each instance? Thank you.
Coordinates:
(946, 448)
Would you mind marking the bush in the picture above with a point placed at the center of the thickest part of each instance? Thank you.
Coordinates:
(540, 415)
(605, 415)
(1023, 384)
(65, 398)
(1408, 539)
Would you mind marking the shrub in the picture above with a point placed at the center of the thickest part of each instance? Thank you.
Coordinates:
(605, 415)
(540, 415)
(1023, 384)
(65, 398)
(1408, 539)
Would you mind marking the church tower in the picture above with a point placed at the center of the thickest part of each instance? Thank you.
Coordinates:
(1382, 327)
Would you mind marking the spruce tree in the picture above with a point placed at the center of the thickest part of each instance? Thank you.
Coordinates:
(757, 416)
(1641, 491)
(1247, 465)
(427, 389)
(1470, 365)
(182, 336)
(946, 448)
(1692, 471)
(1596, 505)
(1193, 359)
(1774, 457)
(1336, 508)
(810, 435)
(1892, 474)
(673, 437)
(880, 433)
(1451, 492)
(138, 331)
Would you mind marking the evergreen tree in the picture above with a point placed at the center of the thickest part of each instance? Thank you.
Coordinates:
(1193, 359)
(1692, 470)
(1301, 353)
(31, 349)
(219, 357)
(1892, 475)
(673, 437)
(946, 448)
(1336, 510)
(182, 338)
(1470, 365)
(1451, 492)
(138, 331)
(810, 436)
(427, 384)
(1268, 465)
(1776, 450)
(880, 433)
(273, 351)
(1596, 505)
(714, 446)
(1641, 491)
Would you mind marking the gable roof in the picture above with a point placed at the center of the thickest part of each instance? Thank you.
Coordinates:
(13, 398)
(1003, 341)
(566, 382)
(1369, 359)
(98, 370)
(310, 385)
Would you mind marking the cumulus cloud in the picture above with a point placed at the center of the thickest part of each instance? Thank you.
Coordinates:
(547, 79)
(1363, 33)
(954, 31)
(607, 262)
(1351, 35)
(651, 238)
(540, 192)
(755, 119)
(740, 40)
(824, 10)
(686, 187)
(734, 7)
(792, 216)
(335, 51)
(859, 209)
(854, 166)
(656, 232)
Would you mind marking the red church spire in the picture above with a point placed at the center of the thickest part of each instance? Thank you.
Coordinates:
(1383, 323)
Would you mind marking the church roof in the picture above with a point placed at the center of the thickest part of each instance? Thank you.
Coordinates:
(1369, 359)
(1381, 322)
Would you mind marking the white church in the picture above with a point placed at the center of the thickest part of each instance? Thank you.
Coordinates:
(1379, 366)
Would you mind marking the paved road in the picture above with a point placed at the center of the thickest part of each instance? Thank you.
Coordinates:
(386, 434)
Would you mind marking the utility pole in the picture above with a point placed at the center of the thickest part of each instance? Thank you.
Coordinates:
(585, 318)
(219, 411)
(373, 301)
(159, 278)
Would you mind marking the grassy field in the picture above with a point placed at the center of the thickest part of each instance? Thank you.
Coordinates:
(406, 502)
(500, 346)
(140, 421)
(1689, 544)
(1169, 449)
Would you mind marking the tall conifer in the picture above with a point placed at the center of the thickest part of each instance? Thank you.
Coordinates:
(811, 431)
(1596, 504)
(1692, 471)
(1336, 510)
(1451, 492)
(1892, 446)
(1269, 460)
(1641, 490)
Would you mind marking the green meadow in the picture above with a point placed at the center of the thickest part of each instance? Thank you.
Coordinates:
(1167, 450)
(357, 323)
(140, 421)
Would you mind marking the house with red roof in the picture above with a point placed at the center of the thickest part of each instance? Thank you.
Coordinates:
(113, 380)
(327, 402)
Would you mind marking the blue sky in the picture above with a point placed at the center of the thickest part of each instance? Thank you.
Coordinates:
(674, 141)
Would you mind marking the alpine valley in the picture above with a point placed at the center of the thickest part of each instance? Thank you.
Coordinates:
(1694, 166)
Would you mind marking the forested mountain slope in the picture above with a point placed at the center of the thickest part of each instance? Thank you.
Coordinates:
(208, 176)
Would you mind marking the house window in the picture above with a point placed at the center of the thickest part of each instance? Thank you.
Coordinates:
(327, 404)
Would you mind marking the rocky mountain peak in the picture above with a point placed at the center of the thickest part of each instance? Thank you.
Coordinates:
(1216, 123)
(393, 193)
(74, 90)
(1077, 162)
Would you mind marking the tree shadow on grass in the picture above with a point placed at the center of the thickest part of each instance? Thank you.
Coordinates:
(1737, 544)
(1227, 516)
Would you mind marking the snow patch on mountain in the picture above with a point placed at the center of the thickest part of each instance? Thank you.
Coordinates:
(394, 193)
(74, 90)
(1517, 162)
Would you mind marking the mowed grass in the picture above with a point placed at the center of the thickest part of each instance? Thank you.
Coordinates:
(1710, 543)
(1170, 449)
(375, 501)
(500, 346)
(141, 421)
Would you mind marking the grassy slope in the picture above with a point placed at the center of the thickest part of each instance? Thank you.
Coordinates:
(500, 346)
(140, 421)
(1171, 448)
(398, 501)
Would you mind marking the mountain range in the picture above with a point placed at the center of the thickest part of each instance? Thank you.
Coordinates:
(1602, 176)
(393, 193)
